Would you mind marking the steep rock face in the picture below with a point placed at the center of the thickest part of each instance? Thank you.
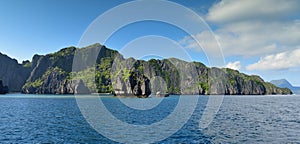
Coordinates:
(3, 89)
(13, 75)
(128, 78)
(135, 85)
(39, 80)
(55, 81)
(190, 78)
(114, 74)
(241, 84)
(46, 76)
(62, 59)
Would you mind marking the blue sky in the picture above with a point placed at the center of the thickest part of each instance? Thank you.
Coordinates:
(257, 37)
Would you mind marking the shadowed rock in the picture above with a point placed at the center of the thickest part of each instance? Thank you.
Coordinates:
(3, 89)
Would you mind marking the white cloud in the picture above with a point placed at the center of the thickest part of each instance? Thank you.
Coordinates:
(280, 61)
(252, 27)
(268, 30)
(234, 10)
(234, 65)
(250, 39)
(206, 39)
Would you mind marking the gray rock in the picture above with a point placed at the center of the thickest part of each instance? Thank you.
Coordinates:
(50, 74)
(3, 89)
(12, 74)
(79, 87)
(135, 85)
(55, 82)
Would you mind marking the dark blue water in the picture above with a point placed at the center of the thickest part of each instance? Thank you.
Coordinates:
(241, 119)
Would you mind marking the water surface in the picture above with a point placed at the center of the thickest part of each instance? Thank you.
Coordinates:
(241, 119)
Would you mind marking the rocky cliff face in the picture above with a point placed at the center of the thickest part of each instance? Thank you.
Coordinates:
(51, 74)
(135, 85)
(54, 74)
(190, 78)
(3, 89)
(55, 81)
(12, 74)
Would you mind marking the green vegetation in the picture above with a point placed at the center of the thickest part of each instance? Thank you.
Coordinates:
(205, 86)
(173, 90)
(62, 53)
(126, 74)
(35, 84)
(103, 76)
(199, 64)
(140, 69)
(87, 76)
(27, 64)
(234, 74)
(39, 82)
(155, 65)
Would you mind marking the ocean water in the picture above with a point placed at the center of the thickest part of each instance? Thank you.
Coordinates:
(241, 119)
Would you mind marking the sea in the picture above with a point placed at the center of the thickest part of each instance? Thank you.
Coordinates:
(64, 119)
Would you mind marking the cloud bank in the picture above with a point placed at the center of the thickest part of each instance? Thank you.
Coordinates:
(228, 11)
(280, 61)
(254, 28)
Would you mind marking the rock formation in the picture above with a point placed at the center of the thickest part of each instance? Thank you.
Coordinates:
(55, 81)
(112, 73)
(12, 74)
(3, 89)
(135, 85)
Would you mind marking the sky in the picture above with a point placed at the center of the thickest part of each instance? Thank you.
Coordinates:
(256, 37)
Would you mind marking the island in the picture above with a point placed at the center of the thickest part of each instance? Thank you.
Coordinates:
(112, 73)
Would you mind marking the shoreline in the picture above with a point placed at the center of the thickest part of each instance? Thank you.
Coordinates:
(153, 96)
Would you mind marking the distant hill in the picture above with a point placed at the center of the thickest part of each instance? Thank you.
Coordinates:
(283, 83)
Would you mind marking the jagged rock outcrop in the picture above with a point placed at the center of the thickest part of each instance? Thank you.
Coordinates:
(135, 85)
(3, 89)
(12, 74)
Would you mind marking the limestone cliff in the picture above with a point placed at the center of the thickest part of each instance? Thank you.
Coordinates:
(12, 74)
(55, 81)
(3, 89)
(112, 73)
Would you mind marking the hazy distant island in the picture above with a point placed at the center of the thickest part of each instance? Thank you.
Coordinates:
(53, 74)
(283, 83)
